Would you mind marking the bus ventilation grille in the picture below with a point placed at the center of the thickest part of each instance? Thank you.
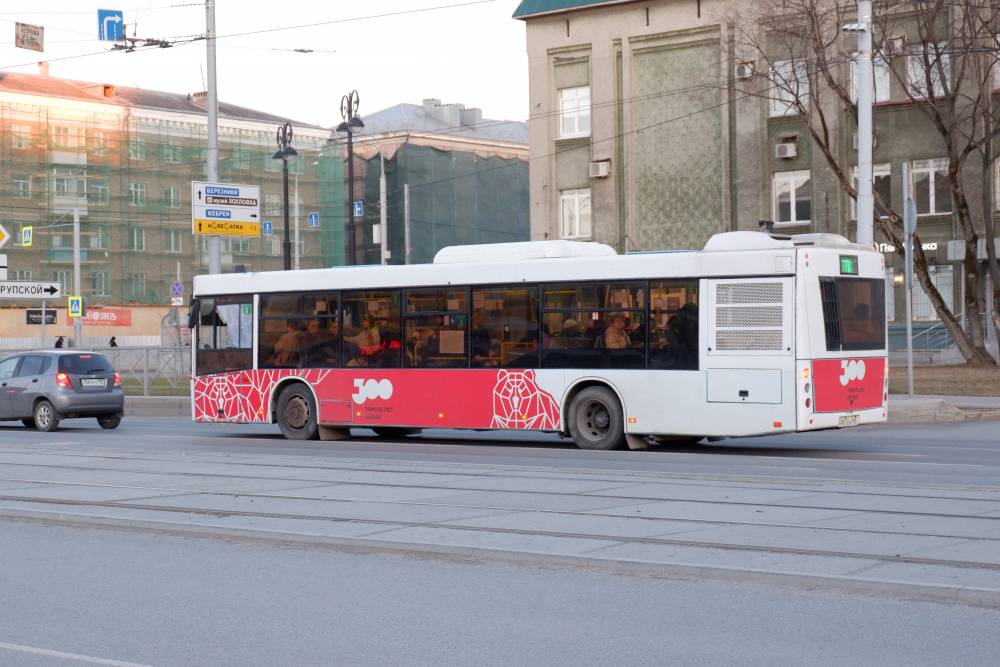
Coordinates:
(749, 317)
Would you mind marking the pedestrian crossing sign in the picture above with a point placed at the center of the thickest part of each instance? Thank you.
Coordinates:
(75, 306)
(26, 236)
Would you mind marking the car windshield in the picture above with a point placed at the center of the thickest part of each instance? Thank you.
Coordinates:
(84, 364)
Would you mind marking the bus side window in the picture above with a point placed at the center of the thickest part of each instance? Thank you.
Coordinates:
(436, 328)
(370, 332)
(300, 330)
(225, 335)
(504, 331)
(673, 321)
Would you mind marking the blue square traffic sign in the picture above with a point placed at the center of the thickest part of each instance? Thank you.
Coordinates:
(110, 25)
(359, 208)
(268, 228)
(75, 306)
(314, 219)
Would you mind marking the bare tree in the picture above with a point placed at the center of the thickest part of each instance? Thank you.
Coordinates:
(948, 75)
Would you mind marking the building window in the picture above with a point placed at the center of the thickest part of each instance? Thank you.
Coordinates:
(575, 214)
(62, 277)
(240, 246)
(20, 274)
(64, 136)
(241, 159)
(98, 237)
(61, 240)
(172, 240)
(135, 286)
(791, 198)
(136, 149)
(99, 191)
(790, 88)
(20, 137)
(100, 283)
(137, 194)
(97, 142)
(921, 57)
(135, 238)
(881, 183)
(272, 204)
(171, 153)
(941, 277)
(574, 112)
(880, 78)
(68, 182)
(20, 185)
(931, 186)
(172, 196)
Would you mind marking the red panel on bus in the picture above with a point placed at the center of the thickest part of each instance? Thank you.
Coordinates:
(841, 385)
(459, 398)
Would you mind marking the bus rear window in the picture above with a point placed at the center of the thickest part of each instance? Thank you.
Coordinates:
(853, 313)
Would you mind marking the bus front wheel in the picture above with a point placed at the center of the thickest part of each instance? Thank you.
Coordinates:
(297, 413)
(596, 419)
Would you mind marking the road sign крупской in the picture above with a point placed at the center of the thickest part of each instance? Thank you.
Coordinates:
(19, 289)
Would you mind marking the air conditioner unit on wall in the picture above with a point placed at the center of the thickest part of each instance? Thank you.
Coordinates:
(600, 169)
(745, 71)
(786, 151)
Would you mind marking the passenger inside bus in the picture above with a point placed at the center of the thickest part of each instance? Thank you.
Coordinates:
(318, 345)
(286, 348)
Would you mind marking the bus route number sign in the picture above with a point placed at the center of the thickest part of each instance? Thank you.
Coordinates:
(848, 265)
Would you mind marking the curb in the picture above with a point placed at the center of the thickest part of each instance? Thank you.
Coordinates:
(158, 406)
(987, 598)
(934, 410)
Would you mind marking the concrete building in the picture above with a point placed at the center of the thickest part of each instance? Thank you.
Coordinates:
(125, 158)
(642, 137)
(467, 178)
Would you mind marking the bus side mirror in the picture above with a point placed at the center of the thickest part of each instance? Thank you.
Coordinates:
(194, 311)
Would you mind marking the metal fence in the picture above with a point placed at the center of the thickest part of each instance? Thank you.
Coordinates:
(148, 371)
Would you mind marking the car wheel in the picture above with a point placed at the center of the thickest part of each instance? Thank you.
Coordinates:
(297, 413)
(110, 422)
(46, 417)
(596, 419)
(394, 431)
(28, 423)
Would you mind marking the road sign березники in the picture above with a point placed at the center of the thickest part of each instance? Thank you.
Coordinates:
(110, 25)
(20, 289)
(314, 219)
(74, 306)
(227, 209)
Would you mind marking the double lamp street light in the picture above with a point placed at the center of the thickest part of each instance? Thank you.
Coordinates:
(351, 123)
(284, 152)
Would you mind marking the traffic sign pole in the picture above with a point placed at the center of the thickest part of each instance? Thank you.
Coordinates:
(78, 322)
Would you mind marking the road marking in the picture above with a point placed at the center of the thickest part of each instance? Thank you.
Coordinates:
(69, 656)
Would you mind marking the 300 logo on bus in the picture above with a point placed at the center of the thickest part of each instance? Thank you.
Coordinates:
(370, 389)
(853, 370)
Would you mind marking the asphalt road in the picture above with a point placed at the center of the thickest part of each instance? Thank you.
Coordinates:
(955, 453)
(120, 597)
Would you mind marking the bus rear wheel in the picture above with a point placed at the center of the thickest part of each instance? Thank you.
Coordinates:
(297, 413)
(596, 419)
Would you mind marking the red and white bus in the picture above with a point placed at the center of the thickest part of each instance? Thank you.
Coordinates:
(758, 333)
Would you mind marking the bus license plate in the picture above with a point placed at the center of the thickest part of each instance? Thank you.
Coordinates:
(847, 420)
(101, 382)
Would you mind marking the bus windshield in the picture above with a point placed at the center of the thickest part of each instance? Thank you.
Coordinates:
(853, 313)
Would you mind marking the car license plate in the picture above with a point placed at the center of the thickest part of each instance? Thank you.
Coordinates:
(847, 420)
(97, 382)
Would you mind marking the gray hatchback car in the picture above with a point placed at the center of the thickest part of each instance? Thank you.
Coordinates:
(43, 388)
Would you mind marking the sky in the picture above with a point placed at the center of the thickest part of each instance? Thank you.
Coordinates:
(472, 54)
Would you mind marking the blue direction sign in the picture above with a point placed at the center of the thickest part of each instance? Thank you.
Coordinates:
(359, 208)
(268, 229)
(110, 25)
(314, 219)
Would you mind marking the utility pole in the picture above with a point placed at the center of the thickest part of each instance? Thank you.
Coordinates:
(406, 222)
(383, 212)
(212, 154)
(77, 288)
(866, 202)
(909, 228)
(298, 247)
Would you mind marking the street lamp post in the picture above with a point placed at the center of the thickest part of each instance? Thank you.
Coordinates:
(348, 111)
(285, 151)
